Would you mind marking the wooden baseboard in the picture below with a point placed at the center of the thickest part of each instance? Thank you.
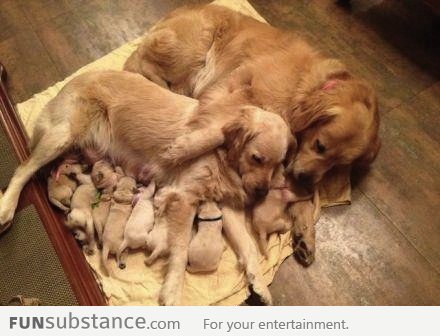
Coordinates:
(71, 257)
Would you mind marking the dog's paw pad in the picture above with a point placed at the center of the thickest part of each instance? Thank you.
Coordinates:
(303, 254)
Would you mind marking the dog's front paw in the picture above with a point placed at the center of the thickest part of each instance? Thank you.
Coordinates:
(176, 153)
(304, 253)
(170, 295)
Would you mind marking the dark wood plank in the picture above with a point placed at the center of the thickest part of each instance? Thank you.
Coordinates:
(361, 260)
(30, 64)
(405, 181)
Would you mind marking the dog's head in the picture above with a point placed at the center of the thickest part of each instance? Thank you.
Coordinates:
(337, 123)
(256, 143)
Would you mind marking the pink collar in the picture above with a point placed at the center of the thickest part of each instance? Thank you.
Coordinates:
(330, 84)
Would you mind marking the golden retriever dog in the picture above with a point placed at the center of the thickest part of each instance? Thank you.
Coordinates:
(207, 51)
(129, 118)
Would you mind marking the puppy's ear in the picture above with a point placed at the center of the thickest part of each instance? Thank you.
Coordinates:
(237, 133)
(370, 154)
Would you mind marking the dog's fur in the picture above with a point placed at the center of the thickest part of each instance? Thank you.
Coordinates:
(207, 51)
(141, 219)
(60, 186)
(270, 215)
(131, 119)
(120, 210)
(207, 245)
(80, 217)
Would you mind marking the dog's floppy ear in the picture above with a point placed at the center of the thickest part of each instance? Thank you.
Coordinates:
(310, 105)
(370, 153)
(237, 133)
(291, 150)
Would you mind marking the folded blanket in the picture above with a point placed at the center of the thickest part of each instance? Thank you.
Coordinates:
(140, 285)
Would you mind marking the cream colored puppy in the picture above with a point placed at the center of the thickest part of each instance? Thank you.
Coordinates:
(207, 245)
(141, 219)
(60, 187)
(80, 217)
(120, 210)
(105, 178)
(270, 215)
(157, 239)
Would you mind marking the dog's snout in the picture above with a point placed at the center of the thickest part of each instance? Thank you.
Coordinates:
(261, 192)
(305, 178)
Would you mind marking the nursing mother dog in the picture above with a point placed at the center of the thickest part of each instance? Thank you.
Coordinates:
(132, 120)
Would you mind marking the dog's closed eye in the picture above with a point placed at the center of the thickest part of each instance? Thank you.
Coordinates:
(257, 159)
(319, 147)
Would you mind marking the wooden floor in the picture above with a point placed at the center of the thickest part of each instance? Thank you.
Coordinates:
(383, 249)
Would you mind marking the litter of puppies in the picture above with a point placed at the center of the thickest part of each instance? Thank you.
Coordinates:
(109, 211)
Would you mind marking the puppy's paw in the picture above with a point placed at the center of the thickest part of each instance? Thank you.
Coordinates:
(260, 288)
(304, 253)
(88, 250)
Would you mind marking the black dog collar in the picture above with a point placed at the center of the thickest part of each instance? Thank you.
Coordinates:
(210, 219)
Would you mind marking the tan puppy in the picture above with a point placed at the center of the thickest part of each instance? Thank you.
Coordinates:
(60, 187)
(120, 210)
(270, 215)
(105, 179)
(141, 219)
(157, 239)
(80, 217)
(207, 245)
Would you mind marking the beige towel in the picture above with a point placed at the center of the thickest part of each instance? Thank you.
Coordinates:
(140, 285)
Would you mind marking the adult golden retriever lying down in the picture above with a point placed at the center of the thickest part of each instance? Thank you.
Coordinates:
(207, 51)
(130, 119)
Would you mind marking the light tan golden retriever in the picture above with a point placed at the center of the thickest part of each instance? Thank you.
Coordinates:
(207, 51)
(129, 118)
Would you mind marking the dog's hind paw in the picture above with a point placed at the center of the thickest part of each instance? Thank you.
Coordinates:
(169, 296)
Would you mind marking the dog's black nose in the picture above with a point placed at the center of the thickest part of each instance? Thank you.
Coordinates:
(261, 192)
(305, 178)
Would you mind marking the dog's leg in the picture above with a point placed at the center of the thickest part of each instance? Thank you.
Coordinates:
(234, 225)
(49, 146)
(303, 214)
(193, 145)
(180, 216)
(90, 232)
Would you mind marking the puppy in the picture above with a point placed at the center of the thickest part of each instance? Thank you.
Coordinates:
(207, 245)
(105, 179)
(157, 239)
(80, 217)
(270, 215)
(120, 210)
(141, 219)
(60, 187)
